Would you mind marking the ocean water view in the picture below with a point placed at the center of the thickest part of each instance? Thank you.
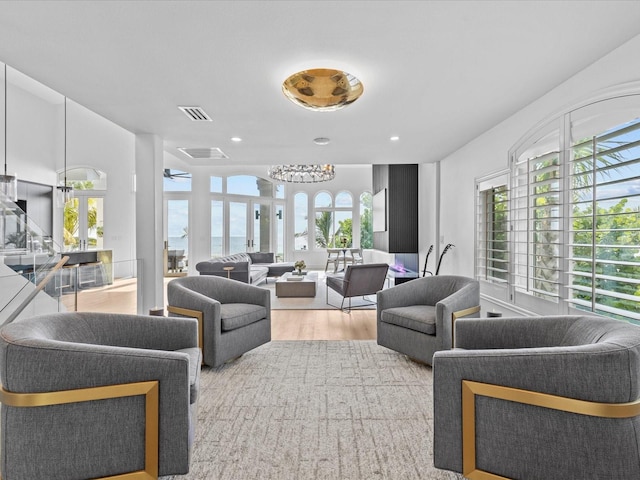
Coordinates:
(237, 244)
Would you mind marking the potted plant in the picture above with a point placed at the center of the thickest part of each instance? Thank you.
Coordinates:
(299, 265)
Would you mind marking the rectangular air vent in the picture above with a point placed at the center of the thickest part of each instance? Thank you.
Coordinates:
(213, 153)
(196, 114)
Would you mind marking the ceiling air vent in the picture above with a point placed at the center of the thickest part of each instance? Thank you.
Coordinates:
(204, 153)
(196, 114)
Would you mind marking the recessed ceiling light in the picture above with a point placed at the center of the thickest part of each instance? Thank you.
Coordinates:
(236, 139)
(321, 141)
(395, 138)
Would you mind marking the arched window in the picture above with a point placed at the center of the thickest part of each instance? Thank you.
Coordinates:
(344, 200)
(84, 214)
(323, 200)
(334, 224)
(572, 203)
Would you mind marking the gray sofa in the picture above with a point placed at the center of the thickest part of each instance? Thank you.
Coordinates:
(234, 318)
(573, 390)
(144, 371)
(250, 267)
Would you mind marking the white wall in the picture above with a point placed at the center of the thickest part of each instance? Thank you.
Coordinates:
(489, 152)
(96, 142)
(35, 152)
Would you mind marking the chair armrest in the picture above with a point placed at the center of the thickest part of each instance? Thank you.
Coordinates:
(67, 365)
(143, 331)
(590, 372)
(237, 292)
(518, 332)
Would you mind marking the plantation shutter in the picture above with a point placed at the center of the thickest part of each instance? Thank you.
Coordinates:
(537, 224)
(492, 253)
(604, 258)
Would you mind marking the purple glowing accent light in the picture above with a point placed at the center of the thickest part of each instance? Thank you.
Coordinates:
(398, 267)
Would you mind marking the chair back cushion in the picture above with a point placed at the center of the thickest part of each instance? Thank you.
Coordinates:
(364, 279)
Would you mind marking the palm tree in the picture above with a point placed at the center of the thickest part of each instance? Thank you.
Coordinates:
(324, 225)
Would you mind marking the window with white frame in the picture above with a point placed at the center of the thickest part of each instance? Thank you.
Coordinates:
(574, 215)
(604, 243)
(301, 220)
(333, 221)
(492, 209)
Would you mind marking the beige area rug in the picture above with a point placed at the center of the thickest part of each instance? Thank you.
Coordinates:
(315, 410)
(319, 302)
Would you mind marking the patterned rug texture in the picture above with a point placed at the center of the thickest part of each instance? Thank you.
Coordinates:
(315, 410)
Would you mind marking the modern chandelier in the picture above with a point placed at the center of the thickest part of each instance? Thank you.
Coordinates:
(8, 183)
(302, 173)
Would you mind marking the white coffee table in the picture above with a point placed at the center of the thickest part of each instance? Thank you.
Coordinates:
(297, 288)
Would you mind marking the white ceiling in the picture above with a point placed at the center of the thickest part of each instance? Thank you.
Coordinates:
(435, 73)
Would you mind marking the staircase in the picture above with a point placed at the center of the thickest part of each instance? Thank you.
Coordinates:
(29, 266)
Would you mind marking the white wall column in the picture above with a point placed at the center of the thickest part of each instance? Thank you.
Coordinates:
(149, 228)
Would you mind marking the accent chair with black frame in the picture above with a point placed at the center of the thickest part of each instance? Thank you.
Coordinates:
(357, 281)
(233, 317)
(549, 398)
(417, 318)
(98, 395)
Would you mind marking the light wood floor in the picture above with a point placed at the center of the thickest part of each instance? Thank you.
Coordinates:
(323, 325)
(285, 324)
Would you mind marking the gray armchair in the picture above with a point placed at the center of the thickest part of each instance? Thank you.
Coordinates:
(357, 281)
(234, 317)
(573, 399)
(88, 395)
(416, 318)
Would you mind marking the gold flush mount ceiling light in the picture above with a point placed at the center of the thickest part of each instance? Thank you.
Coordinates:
(322, 89)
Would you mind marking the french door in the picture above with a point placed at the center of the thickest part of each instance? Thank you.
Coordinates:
(247, 226)
(84, 222)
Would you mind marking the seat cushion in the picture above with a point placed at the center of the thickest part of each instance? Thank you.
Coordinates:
(195, 359)
(336, 282)
(421, 318)
(258, 273)
(238, 315)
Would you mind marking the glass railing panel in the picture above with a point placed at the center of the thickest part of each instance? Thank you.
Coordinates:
(19, 234)
(27, 256)
(100, 287)
(29, 293)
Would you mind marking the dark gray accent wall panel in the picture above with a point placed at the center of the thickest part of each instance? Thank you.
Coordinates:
(381, 181)
(401, 182)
